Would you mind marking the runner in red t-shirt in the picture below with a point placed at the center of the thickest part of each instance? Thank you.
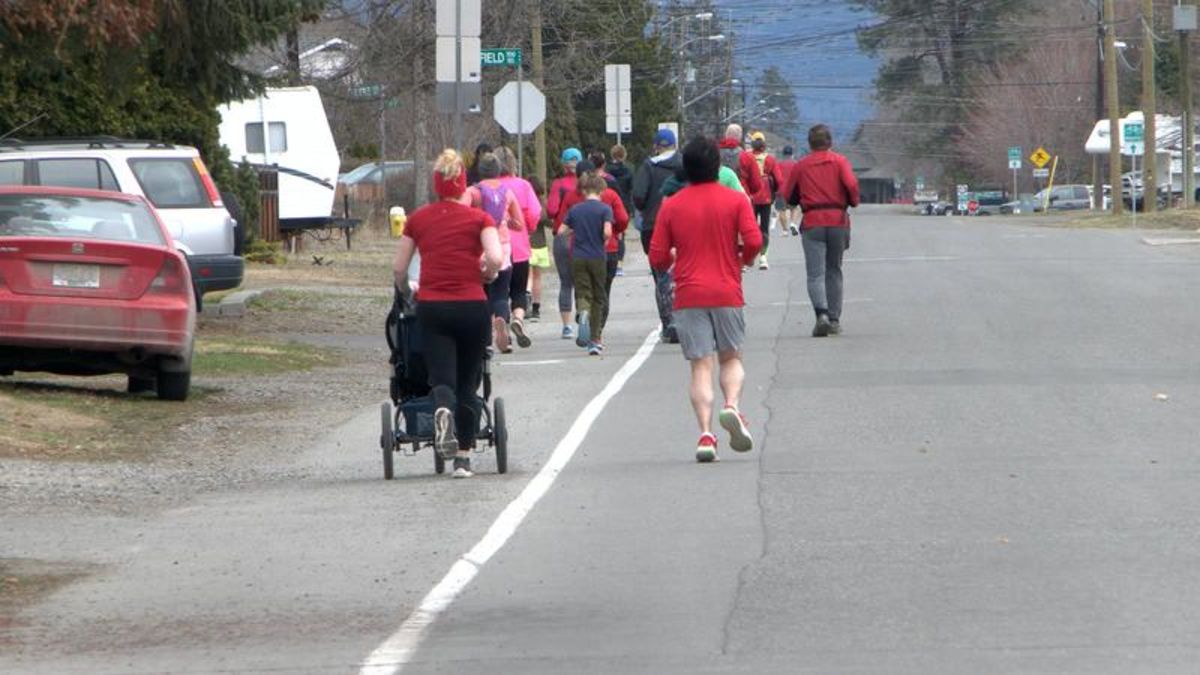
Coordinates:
(697, 231)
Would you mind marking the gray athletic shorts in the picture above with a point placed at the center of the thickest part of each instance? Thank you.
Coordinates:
(704, 331)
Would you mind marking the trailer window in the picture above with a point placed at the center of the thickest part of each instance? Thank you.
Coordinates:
(254, 137)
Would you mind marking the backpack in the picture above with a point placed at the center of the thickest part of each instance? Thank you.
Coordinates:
(495, 203)
(731, 157)
(766, 172)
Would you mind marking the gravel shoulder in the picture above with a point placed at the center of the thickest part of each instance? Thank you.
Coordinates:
(302, 360)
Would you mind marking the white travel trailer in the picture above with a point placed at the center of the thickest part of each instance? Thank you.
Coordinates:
(286, 129)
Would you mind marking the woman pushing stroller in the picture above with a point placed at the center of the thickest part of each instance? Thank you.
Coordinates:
(460, 251)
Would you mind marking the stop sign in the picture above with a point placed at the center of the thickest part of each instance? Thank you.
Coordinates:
(520, 108)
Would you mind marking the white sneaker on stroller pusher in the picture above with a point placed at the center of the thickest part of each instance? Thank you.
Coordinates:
(410, 423)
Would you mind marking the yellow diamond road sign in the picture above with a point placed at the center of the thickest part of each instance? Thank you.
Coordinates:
(1040, 157)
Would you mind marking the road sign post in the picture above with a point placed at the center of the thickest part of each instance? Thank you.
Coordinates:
(1133, 143)
(1014, 163)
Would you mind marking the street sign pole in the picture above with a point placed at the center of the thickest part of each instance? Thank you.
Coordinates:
(1133, 189)
(618, 100)
(520, 116)
(458, 83)
(1016, 192)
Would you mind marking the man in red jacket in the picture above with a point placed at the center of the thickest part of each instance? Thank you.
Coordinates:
(824, 186)
(698, 230)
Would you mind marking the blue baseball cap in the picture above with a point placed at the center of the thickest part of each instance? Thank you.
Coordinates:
(665, 138)
(572, 155)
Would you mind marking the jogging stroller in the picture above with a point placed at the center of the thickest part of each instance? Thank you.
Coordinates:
(407, 418)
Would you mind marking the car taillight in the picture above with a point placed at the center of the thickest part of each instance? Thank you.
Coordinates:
(170, 280)
(214, 195)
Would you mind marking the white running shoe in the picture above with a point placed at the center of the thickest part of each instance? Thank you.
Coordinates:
(739, 432)
(443, 433)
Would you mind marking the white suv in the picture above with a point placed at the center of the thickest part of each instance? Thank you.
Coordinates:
(172, 177)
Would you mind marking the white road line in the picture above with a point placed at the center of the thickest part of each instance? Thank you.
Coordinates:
(1170, 241)
(547, 362)
(391, 656)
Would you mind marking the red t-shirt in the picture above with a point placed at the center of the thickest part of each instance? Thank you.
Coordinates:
(447, 237)
(610, 197)
(703, 224)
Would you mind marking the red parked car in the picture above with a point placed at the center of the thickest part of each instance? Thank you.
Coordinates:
(91, 284)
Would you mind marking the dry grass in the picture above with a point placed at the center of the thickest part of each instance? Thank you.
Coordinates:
(50, 417)
(368, 263)
(1177, 220)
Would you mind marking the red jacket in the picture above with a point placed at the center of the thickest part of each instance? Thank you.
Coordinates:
(702, 224)
(769, 168)
(610, 197)
(823, 185)
(747, 166)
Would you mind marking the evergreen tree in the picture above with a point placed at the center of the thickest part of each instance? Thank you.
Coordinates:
(935, 49)
(778, 94)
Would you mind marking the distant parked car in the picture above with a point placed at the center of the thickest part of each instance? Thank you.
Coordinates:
(91, 283)
(172, 178)
(1065, 198)
(938, 209)
(989, 202)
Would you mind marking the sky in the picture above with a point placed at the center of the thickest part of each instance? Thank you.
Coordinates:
(813, 43)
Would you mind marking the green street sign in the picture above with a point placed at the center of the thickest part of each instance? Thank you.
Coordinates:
(501, 58)
(1134, 132)
(392, 103)
(1014, 154)
(367, 91)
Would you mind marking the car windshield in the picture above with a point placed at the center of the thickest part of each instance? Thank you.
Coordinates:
(26, 215)
(358, 173)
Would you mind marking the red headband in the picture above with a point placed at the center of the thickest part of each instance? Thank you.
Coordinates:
(449, 188)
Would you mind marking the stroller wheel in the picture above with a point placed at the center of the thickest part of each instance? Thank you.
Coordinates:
(387, 439)
(500, 435)
(439, 462)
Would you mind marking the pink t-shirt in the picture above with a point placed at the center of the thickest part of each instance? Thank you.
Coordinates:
(531, 210)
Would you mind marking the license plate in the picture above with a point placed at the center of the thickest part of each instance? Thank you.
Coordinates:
(77, 276)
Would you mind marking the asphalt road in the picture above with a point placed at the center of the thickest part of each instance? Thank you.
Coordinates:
(979, 476)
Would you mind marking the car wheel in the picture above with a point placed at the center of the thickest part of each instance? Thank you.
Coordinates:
(139, 385)
(174, 386)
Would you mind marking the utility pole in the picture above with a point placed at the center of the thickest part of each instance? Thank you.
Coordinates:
(1097, 178)
(539, 79)
(1114, 109)
(1150, 110)
(1189, 124)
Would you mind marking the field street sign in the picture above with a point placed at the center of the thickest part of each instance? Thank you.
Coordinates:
(520, 108)
(1040, 158)
(503, 58)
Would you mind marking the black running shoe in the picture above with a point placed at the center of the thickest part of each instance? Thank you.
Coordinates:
(823, 327)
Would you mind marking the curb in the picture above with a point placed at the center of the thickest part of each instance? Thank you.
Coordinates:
(232, 305)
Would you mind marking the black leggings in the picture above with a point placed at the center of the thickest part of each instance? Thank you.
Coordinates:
(763, 212)
(498, 292)
(518, 293)
(455, 336)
